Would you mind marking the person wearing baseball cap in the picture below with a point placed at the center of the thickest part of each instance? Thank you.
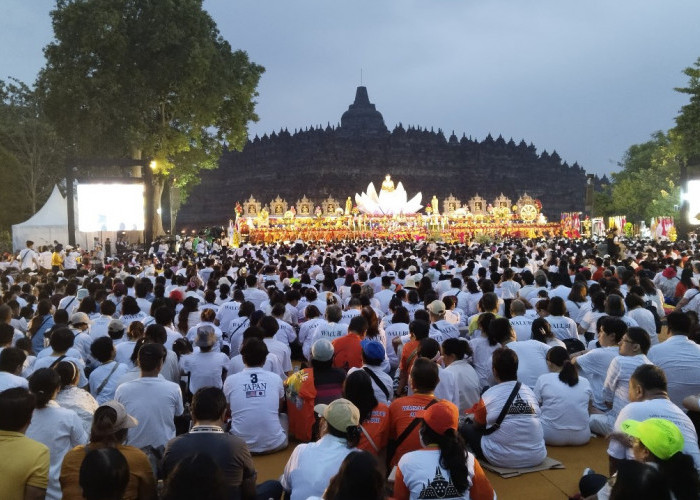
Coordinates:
(312, 465)
(373, 355)
(659, 443)
(444, 468)
(110, 426)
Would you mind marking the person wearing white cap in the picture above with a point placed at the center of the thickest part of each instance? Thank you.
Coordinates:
(440, 328)
(109, 429)
(311, 466)
(206, 366)
(80, 324)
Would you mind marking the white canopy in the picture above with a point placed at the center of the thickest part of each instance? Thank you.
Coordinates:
(50, 224)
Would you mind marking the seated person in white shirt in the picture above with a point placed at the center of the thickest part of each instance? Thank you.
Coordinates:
(454, 354)
(256, 397)
(104, 378)
(373, 354)
(447, 387)
(207, 367)
(270, 325)
(11, 363)
(272, 362)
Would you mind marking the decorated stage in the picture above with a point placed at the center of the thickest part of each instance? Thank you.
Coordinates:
(390, 214)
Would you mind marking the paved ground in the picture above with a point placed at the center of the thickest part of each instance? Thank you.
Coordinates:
(552, 484)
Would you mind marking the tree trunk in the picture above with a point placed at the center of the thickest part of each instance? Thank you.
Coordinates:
(158, 184)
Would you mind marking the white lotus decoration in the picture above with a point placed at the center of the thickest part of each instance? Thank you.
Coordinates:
(390, 200)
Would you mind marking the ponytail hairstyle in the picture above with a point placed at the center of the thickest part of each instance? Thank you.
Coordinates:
(68, 373)
(456, 347)
(43, 383)
(484, 321)
(559, 357)
(102, 430)
(190, 304)
(681, 475)
(358, 390)
(453, 454)
(135, 353)
(43, 308)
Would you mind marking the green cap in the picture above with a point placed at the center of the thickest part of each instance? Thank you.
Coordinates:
(660, 436)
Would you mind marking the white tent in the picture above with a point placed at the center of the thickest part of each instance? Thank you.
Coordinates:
(50, 224)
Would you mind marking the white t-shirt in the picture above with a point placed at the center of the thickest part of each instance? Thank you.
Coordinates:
(348, 315)
(594, 366)
(228, 311)
(563, 327)
(645, 319)
(482, 359)
(10, 381)
(656, 408)
(286, 332)
(205, 369)
(577, 310)
(679, 358)
(467, 383)
(519, 442)
(330, 331)
(390, 332)
(61, 430)
(532, 360)
(312, 465)
(254, 397)
(272, 364)
(282, 351)
(590, 319)
(154, 402)
(442, 330)
(306, 334)
(425, 477)
(522, 325)
(563, 407)
(617, 381)
(235, 333)
(100, 374)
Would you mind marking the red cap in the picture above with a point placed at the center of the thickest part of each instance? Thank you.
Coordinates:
(440, 416)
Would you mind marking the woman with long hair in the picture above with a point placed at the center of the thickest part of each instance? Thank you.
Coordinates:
(359, 476)
(40, 324)
(445, 466)
(577, 302)
(587, 323)
(109, 430)
(58, 428)
(542, 332)
(188, 315)
(564, 399)
(374, 416)
(130, 311)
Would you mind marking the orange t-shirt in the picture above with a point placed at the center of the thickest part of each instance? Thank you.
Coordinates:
(401, 413)
(377, 426)
(408, 349)
(348, 352)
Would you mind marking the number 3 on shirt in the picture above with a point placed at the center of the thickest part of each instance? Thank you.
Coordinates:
(253, 378)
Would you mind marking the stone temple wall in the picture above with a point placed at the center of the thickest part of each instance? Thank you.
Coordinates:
(341, 161)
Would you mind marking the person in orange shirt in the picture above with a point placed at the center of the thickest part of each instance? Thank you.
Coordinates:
(403, 411)
(348, 350)
(418, 329)
(444, 468)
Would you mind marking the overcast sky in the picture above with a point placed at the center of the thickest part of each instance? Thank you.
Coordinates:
(587, 79)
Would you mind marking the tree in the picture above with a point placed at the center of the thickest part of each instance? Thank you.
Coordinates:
(151, 78)
(32, 157)
(648, 185)
(688, 120)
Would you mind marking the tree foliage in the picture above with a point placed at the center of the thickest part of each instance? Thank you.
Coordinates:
(148, 76)
(688, 119)
(648, 185)
(31, 155)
